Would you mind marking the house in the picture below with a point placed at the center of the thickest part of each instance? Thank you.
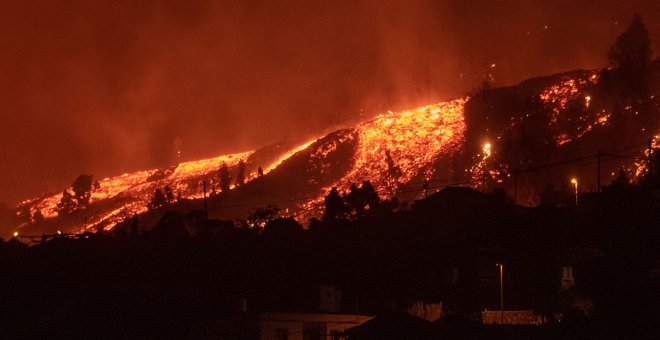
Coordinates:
(511, 317)
(307, 326)
(323, 322)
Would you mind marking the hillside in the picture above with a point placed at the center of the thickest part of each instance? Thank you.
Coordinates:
(478, 141)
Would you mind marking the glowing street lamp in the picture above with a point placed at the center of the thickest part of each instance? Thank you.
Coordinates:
(501, 292)
(575, 183)
(16, 234)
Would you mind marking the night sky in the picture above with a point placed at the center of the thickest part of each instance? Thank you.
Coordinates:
(109, 86)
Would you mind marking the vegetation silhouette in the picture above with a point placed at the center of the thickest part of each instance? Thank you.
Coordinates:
(240, 173)
(158, 200)
(224, 177)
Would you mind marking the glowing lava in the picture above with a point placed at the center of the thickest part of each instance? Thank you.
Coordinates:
(395, 148)
(127, 194)
(558, 98)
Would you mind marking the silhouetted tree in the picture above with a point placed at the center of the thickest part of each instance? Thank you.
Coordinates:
(169, 195)
(388, 206)
(225, 178)
(549, 197)
(204, 227)
(82, 192)
(631, 54)
(622, 181)
(362, 199)
(240, 175)
(135, 225)
(260, 216)
(633, 47)
(392, 169)
(207, 227)
(500, 194)
(171, 225)
(652, 180)
(157, 200)
(38, 217)
(335, 208)
(67, 204)
(23, 214)
(484, 88)
(82, 189)
(260, 172)
(282, 229)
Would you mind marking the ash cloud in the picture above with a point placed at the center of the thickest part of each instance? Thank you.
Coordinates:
(106, 87)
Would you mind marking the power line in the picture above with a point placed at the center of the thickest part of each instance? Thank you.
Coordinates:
(569, 163)
(625, 157)
(444, 182)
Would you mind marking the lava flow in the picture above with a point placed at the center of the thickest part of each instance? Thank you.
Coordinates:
(558, 97)
(117, 198)
(395, 148)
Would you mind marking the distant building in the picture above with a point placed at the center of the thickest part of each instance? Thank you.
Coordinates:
(511, 317)
(392, 325)
(425, 310)
(327, 324)
(307, 326)
(567, 280)
(322, 322)
(275, 326)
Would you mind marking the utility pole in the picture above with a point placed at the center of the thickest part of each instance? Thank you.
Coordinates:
(206, 210)
(483, 182)
(134, 225)
(426, 188)
(575, 182)
(598, 171)
(501, 293)
(515, 187)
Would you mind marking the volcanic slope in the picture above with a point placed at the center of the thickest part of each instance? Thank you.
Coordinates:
(479, 140)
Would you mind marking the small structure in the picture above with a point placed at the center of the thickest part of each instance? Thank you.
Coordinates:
(567, 280)
(510, 317)
(324, 322)
(426, 311)
(307, 326)
(392, 325)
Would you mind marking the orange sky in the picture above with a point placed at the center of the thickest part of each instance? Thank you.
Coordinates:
(104, 87)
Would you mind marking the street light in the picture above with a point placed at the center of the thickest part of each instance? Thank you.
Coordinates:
(501, 293)
(574, 181)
